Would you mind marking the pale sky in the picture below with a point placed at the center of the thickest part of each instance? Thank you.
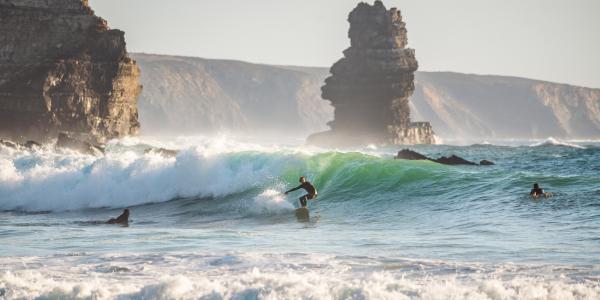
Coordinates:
(553, 40)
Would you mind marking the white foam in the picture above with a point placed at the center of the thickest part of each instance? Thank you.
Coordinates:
(59, 181)
(270, 202)
(279, 276)
(555, 142)
(8, 172)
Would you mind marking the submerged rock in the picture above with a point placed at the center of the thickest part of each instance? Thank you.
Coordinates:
(32, 145)
(486, 162)
(65, 141)
(162, 151)
(370, 87)
(63, 69)
(410, 155)
(8, 144)
(452, 160)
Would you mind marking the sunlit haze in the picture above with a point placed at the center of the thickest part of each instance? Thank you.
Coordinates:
(549, 40)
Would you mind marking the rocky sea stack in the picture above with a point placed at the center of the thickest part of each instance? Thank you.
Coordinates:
(370, 87)
(62, 69)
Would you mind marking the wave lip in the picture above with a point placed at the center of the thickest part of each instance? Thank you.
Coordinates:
(48, 181)
(555, 142)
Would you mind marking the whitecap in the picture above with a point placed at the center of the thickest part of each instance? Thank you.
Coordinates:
(555, 142)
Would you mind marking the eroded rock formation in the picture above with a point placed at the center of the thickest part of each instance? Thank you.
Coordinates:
(370, 87)
(62, 69)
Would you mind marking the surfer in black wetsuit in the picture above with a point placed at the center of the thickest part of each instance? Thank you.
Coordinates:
(123, 219)
(537, 191)
(308, 187)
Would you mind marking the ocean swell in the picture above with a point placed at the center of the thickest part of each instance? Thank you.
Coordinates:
(49, 180)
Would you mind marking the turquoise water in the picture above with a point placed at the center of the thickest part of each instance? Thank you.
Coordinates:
(212, 222)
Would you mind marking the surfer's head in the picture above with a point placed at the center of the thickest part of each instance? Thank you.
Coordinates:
(536, 186)
(302, 179)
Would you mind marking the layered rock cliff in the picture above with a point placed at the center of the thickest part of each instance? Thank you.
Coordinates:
(63, 69)
(195, 95)
(370, 87)
(484, 107)
(473, 108)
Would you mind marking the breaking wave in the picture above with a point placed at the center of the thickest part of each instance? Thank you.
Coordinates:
(555, 142)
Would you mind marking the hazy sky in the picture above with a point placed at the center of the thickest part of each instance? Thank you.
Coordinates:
(554, 40)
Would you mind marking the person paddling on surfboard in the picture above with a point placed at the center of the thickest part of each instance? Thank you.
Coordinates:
(537, 192)
(308, 187)
(123, 219)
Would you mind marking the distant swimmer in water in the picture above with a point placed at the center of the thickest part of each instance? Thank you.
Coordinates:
(537, 192)
(308, 187)
(123, 219)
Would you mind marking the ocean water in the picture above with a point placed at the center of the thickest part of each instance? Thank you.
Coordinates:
(212, 223)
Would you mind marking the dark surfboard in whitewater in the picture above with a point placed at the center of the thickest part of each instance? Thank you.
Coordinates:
(302, 213)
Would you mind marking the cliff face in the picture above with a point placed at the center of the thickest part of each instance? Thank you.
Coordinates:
(238, 96)
(63, 69)
(477, 107)
(194, 95)
(370, 87)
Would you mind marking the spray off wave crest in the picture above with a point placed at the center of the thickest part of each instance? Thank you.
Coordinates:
(555, 142)
(48, 181)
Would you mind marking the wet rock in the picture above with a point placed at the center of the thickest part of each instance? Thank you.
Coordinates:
(32, 145)
(410, 155)
(486, 162)
(162, 151)
(8, 144)
(370, 87)
(65, 141)
(454, 160)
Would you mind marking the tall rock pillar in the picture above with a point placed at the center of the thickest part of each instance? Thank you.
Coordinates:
(371, 85)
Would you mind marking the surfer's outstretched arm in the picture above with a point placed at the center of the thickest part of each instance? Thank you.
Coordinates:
(296, 188)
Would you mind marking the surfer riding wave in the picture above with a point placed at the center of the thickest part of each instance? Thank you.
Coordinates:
(309, 188)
